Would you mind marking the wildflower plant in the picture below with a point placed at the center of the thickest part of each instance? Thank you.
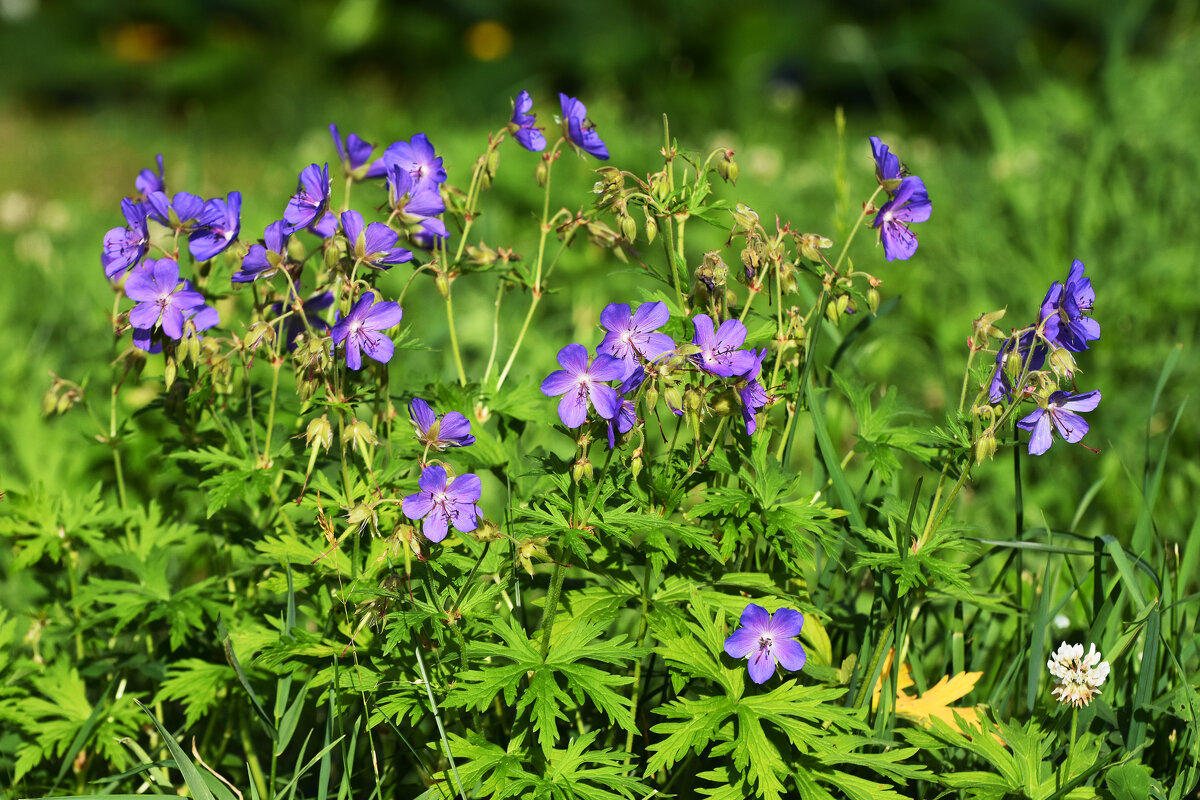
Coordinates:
(529, 580)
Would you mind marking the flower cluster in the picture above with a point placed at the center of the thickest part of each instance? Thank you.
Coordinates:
(443, 500)
(1064, 326)
(645, 362)
(908, 204)
(1079, 677)
(166, 307)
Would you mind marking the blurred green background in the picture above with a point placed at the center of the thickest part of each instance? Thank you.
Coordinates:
(1045, 131)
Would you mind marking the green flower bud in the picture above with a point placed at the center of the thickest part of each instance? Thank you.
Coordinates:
(443, 285)
(542, 174)
(581, 470)
(169, 371)
(985, 447)
(692, 399)
(673, 397)
(727, 168)
(724, 403)
(650, 399)
(873, 300)
(651, 227)
(831, 311)
(628, 228)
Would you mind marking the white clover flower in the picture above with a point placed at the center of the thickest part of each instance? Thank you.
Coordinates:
(1079, 677)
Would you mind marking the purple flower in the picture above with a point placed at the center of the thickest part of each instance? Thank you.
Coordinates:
(216, 227)
(176, 213)
(310, 200)
(626, 418)
(148, 182)
(765, 639)
(442, 506)
(361, 330)
(374, 244)
(522, 126)
(294, 324)
(1060, 411)
(887, 166)
(162, 299)
(1063, 312)
(415, 200)
(354, 153)
(124, 247)
(326, 226)
(438, 433)
(578, 130)
(581, 382)
(417, 158)
(753, 397)
(631, 335)
(910, 204)
(263, 261)
(719, 353)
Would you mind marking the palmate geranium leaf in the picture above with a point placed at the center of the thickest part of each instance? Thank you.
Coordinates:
(574, 772)
(538, 683)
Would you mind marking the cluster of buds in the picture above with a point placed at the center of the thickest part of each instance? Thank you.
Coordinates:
(61, 396)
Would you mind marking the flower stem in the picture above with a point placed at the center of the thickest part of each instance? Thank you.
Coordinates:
(462, 375)
(537, 274)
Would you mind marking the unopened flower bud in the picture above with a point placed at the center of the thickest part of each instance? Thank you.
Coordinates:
(650, 399)
(635, 463)
(628, 228)
(320, 431)
(831, 311)
(873, 300)
(651, 227)
(724, 403)
(985, 447)
(49, 401)
(542, 173)
(843, 304)
(692, 399)
(727, 168)
(443, 285)
(491, 163)
(659, 186)
(169, 371)
(581, 470)
(673, 397)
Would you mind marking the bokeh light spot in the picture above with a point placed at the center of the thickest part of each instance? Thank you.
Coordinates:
(488, 40)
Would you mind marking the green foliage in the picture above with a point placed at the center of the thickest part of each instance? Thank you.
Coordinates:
(293, 633)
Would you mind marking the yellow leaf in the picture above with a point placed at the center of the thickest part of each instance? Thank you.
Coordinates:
(936, 700)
